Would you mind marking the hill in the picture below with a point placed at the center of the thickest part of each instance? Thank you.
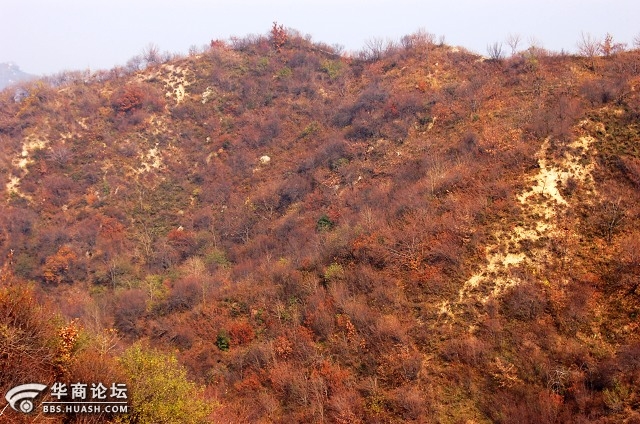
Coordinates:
(10, 74)
(413, 234)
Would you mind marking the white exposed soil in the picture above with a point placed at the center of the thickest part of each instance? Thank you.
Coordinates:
(158, 125)
(175, 79)
(12, 185)
(151, 160)
(30, 144)
(264, 160)
(541, 203)
(176, 82)
(208, 94)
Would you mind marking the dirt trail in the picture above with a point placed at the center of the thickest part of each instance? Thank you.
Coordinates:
(541, 203)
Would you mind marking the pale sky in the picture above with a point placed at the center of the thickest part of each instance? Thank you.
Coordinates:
(49, 36)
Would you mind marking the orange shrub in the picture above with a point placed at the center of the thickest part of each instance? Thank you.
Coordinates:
(128, 99)
(241, 333)
(56, 266)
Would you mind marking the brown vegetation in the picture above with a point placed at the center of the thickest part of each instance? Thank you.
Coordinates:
(413, 233)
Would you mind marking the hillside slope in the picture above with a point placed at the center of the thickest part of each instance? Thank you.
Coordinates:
(415, 235)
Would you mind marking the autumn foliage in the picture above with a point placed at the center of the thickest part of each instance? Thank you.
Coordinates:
(280, 232)
(57, 265)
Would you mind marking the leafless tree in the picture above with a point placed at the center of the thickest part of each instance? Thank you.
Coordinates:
(60, 155)
(420, 38)
(513, 40)
(151, 54)
(134, 64)
(374, 49)
(536, 48)
(636, 41)
(589, 47)
(337, 48)
(614, 213)
(495, 51)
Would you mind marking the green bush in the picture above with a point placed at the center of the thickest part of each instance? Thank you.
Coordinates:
(159, 391)
(333, 68)
(324, 223)
(222, 341)
(333, 272)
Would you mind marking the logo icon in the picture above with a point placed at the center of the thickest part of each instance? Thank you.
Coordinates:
(21, 397)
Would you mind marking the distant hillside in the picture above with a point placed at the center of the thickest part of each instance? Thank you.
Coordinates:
(10, 73)
(415, 233)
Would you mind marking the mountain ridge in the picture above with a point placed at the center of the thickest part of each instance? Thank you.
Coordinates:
(434, 237)
(11, 74)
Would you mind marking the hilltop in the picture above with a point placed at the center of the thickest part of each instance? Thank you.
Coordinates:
(412, 234)
(10, 74)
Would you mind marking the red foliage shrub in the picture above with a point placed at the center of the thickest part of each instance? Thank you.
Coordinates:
(248, 385)
(128, 99)
(183, 241)
(528, 406)
(282, 347)
(134, 97)
(110, 228)
(278, 36)
(56, 266)
(389, 330)
(241, 333)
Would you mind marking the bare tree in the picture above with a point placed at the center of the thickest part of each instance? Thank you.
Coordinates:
(513, 40)
(60, 155)
(534, 43)
(636, 41)
(420, 38)
(374, 49)
(589, 47)
(193, 50)
(613, 214)
(337, 48)
(151, 54)
(134, 64)
(495, 51)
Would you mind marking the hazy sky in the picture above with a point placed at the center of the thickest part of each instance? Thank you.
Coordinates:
(48, 36)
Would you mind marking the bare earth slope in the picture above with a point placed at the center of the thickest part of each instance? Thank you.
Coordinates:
(414, 235)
